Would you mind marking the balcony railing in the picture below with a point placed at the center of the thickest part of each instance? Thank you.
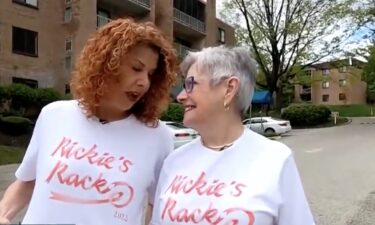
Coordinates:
(306, 91)
(189, 21)
(182, 50)
(144, 3)
(101, 20)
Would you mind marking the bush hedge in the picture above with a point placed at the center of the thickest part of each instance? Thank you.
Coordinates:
(306, 114)
(22, 96)
(22, 100)
(15, 125)
(175, 112)
(45, 96)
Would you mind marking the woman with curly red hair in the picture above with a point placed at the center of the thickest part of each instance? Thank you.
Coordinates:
(96, 159)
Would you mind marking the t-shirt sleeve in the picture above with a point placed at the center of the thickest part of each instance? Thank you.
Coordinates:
(167, 148)
(295, 209)
(156, 207)
(27, 169)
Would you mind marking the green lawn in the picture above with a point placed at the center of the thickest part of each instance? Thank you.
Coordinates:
(9, 155)
(352, 110)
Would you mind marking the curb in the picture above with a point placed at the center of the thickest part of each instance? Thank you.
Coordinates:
(275, 138)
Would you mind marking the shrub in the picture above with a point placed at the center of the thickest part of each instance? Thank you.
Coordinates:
(306, 114)
(4, 94)
(68, 96)
(45, 96)
(15, 125)
(175, 112)
(22, 95)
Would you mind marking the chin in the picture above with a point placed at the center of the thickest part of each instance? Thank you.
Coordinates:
(190, 122)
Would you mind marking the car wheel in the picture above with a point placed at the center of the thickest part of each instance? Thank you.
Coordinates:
(270, 131)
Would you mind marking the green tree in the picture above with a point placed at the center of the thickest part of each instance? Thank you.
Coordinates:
(369, 75)
(363, 13)
(286, 33)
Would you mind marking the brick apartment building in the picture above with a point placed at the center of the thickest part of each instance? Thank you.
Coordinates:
(39, 39)
(336, 82)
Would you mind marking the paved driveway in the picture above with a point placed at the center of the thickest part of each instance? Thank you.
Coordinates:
(337, 166)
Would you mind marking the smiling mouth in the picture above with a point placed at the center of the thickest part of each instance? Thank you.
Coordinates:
(189, 108)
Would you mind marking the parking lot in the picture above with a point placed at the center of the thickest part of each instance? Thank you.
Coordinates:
(338, 171)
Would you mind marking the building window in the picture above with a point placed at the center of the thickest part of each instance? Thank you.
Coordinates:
(325, 72)
(221, 35)
(325, 98)
(29, 82)
(325, 84)
(342, 97)
(194, 8)
(343, 69)
(29, 3)
(68, 14)
(103, 17)
(342, 83)
(67, 2)
(68, 45)
(68, 62)
(25, 42)
(67, 89)
(308, 73)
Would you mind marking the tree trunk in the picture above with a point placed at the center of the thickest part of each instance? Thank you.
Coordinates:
(279, 98)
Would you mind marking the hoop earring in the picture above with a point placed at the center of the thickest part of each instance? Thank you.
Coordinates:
(226, 106)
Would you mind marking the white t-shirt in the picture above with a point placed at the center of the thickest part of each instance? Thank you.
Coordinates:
(91, 173)
(253, 182)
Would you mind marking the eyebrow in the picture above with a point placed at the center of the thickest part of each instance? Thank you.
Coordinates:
(140, 62)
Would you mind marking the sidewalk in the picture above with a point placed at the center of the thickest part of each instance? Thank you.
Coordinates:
(6, 178)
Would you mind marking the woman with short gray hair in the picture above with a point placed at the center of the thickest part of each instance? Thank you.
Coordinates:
(229, 175)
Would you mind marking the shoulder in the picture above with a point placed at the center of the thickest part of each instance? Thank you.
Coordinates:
(266, 146)
(159, 129)
(255, 149)
(160, 135)
(183, 152)
(61, 106)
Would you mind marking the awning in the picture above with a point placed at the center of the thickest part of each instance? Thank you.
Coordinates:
(262, 97)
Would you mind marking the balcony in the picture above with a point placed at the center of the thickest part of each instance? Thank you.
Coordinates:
(101, 20)
(305, 94)
(182, 50)
(188, 25)
(129, 7)
(306, 91)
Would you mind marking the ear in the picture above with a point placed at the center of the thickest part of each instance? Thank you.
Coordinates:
(233, 86)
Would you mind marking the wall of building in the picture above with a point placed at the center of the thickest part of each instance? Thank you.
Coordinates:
(46, 67)
(354, 90)
(50, 68)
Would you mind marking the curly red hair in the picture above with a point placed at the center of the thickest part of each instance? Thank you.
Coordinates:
(100, 60)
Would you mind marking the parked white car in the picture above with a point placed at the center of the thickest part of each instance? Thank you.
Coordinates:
(182, 134)
(268, 125)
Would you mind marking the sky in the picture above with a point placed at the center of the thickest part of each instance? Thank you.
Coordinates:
(354, 42)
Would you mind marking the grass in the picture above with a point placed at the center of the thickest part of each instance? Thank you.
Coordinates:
(10, 155)
(352, 110)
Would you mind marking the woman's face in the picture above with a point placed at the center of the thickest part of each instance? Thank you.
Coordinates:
(133, 81)
(201, 100)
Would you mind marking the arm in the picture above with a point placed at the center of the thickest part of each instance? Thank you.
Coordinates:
(15, 198)
(149, 209)
(295, 209)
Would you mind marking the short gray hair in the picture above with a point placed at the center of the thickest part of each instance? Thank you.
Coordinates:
(221, 62)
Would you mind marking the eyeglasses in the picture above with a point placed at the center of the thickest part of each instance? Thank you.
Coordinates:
(189, 84)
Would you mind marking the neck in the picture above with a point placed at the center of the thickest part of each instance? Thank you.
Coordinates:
(219, 135)
(109, 115)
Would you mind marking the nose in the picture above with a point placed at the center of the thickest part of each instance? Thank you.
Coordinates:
(182, 96)
(143, 80)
